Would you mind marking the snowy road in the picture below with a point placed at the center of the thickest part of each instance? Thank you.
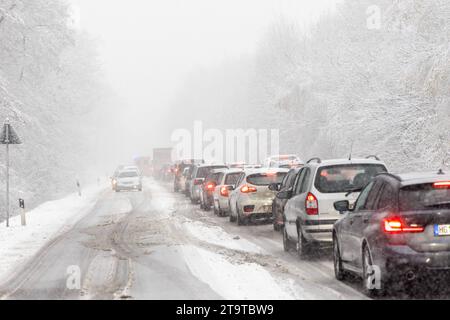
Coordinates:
(156, 245)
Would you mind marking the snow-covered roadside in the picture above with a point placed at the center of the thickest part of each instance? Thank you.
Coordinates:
(18, 244)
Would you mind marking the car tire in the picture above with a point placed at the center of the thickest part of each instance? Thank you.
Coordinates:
(303, 247)
(232, 218)
(216, 211)
(339, 271)
(367, 261)
(287, 243)
(240, 220)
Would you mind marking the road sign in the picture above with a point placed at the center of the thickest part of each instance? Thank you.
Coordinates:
(7, 137)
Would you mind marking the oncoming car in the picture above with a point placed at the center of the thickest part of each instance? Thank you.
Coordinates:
(128, 181)
(252, 199)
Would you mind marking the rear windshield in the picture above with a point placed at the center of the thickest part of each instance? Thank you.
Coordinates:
(345, 178)
(232, 179)
(424, 197)
(128, 174)
(203, 172)
(265, 179)
(216, 177)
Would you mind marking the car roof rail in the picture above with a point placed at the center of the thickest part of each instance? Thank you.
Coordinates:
(373, 157)
(389, 175)
(317, 159)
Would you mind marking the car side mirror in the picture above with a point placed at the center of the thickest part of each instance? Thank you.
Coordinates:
(231, 188)
(274, 187)
(342, 206)
(284, 195)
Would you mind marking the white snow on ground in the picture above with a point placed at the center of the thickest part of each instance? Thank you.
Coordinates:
(217, 236)
(233, 282)
(162, 201)
(18, 244)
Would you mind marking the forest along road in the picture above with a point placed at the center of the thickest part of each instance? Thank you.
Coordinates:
(156, 245)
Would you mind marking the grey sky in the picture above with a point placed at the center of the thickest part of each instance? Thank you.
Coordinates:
(147, 47)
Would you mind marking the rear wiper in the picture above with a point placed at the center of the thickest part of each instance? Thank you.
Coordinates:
(446, 203)
(350, 191)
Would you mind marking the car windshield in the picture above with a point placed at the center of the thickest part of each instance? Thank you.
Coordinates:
(424, 197)
(345, 178)
(232, 179)
(265, 179)
(128, 174)
(203, 172)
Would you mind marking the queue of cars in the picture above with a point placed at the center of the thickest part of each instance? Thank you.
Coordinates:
(387, 229)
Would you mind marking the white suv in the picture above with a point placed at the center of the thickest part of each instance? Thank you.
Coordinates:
(309, 214)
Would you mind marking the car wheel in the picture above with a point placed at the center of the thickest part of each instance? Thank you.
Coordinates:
(216, 211)
(287, 244)
(302, 245)
(232, 218)
(339, 271)
(369, 282)
(239, 219)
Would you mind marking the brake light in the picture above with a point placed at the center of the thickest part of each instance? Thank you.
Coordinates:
(442, 185)
(210, 186)
(311, 205)
(248, 189)
(396, 226)
(224, 192)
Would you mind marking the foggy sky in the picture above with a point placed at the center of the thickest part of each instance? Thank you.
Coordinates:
(148, 46)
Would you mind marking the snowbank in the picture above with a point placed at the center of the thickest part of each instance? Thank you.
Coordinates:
(18, 244)
(233, 282)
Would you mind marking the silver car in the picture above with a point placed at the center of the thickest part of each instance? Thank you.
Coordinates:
(252, 199)
(127, 181)
(309, 214)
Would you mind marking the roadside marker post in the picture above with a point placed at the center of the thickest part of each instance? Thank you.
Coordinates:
(79, 188)
(7, 137)
(23, 216)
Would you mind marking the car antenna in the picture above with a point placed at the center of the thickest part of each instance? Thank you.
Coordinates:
(441, 170)
(351, 151)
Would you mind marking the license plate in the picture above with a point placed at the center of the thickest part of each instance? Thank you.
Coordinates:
(267, 208)
(442, 230)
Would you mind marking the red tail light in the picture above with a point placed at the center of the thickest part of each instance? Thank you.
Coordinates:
(248, 189)
(311, 205)
(396, 225)
(224, 192)
(210, 186)
(442, 185)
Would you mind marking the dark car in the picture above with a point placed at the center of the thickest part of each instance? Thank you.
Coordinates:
(208, 188)
(179, 170)
(397, 232)
(197, 178)
(278, 203)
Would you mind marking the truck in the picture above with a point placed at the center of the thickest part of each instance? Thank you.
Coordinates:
(162, 161)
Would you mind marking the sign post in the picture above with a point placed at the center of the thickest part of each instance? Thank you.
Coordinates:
(7, 137)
